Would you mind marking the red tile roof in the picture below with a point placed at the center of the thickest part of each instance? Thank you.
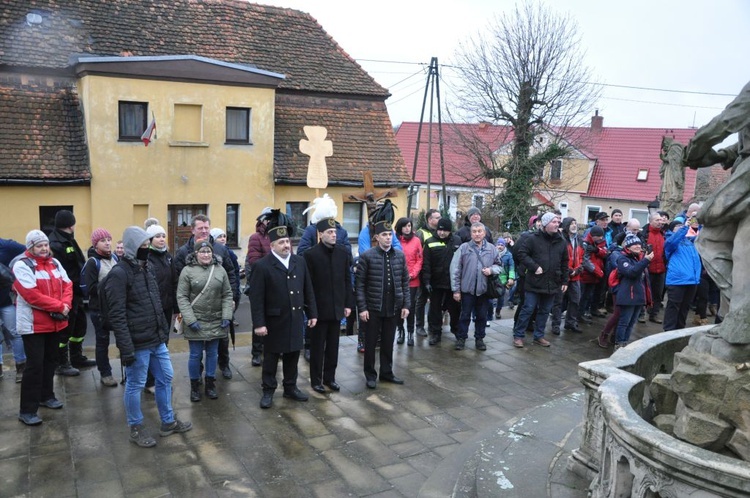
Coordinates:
(461, 167)
(41, 133)
(621, 152)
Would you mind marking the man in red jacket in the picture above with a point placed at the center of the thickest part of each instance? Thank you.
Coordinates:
(653, 238)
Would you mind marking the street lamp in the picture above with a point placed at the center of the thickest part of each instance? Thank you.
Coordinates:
(653, 206)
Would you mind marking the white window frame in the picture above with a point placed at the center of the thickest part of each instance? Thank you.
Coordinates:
(474, 201)
(589, 208)
(633, 212)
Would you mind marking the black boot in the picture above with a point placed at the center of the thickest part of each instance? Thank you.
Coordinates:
(410, 339)
(211, 388)
(64, 367)
(195, 393)
(77, 358)
(401, 334)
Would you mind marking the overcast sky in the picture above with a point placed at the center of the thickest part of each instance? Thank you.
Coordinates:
(680, 46)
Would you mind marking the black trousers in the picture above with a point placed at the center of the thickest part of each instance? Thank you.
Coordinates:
(413, 291)
(657, 292)
(270, 366)
(77, 325)
(383, 327)
(443, 300)
(39, 375)
(679, 298)
(224, 351)
(422, 296)
(257, 345)
(324, 351)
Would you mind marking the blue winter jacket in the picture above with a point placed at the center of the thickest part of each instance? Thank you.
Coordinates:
(683, 261)
(634, 287)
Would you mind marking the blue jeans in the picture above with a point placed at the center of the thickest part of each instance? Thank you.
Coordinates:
(156, 360)
(102, 345)
(196, 355)
(530, 302)
(628, 317)
(11, 335)
(477, 305)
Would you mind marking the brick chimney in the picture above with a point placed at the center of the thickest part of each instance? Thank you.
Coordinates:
(597, 122)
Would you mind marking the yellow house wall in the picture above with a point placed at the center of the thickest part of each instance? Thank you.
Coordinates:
(22, 209)
(129, 179)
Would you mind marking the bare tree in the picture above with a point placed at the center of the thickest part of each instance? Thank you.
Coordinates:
(526, 72)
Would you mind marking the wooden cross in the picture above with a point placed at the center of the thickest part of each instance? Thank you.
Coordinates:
(369, 195)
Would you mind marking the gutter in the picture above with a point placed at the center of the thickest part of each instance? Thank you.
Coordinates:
(45, 183)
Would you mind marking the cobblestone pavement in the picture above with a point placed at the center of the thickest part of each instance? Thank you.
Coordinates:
(466, 423)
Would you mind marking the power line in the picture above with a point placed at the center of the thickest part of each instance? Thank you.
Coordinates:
(663, 103)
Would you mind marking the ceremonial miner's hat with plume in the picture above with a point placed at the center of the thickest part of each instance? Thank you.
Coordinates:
(382, 217)
(279, 225)
(324, 213)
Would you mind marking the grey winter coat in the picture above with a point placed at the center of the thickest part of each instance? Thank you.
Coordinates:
(216, 303)
(467, 264)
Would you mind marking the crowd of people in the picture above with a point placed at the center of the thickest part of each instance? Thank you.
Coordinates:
(557, 271)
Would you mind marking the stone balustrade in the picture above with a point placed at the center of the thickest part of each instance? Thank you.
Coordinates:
(622, 453)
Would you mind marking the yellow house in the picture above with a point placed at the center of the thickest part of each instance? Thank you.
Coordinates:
(229, 107)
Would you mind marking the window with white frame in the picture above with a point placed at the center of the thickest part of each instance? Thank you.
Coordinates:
(591, 212)
(478, 201)
(640, 215)
(238, 126)
(642, 175)
(352, 221)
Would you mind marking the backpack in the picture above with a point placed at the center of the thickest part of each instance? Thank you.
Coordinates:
(104, 303)
(613, 280)
(27, 261)
(84, 288)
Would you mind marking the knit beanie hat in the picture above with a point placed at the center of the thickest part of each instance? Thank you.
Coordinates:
(547, 217)
(445, 224)
(500, 242)
(99, 234)
(202, 245)
(154, 230)
(217, 232)
(532, 221)
(34, 237)
(631, 239)
(64, 219)
(596, 231)
(472, 211)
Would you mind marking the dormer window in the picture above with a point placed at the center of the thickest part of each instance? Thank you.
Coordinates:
(642, 175)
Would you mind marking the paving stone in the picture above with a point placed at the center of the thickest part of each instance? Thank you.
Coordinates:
(110, 489)
(360, 479)
(390, 434)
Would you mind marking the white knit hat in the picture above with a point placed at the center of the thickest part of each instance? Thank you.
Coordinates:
(217, 232)
(34, 237)
(154, 230)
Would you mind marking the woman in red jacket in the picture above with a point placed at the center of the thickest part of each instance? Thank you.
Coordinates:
(45, 294)
(412, 247)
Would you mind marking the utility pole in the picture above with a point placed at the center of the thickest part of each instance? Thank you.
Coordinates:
(432, 86)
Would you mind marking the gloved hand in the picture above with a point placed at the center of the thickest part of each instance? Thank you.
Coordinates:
(195, 326)
(428, 288)
(128, 360)
(225, 323)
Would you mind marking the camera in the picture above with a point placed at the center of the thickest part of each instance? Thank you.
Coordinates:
(58, 316)
(649, 248)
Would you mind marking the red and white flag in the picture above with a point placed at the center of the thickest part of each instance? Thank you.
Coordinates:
(150, 133)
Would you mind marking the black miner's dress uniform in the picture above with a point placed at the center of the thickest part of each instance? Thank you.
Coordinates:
(330, 273)
(279, 300)
(382, 288)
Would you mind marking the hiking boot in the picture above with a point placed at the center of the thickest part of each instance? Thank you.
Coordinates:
(108, 381)
(139, 436)
(480, 345)
(295, 394)
(176, 426)
(460, 344)
(517, 342)
(542, 342)
(195, 391)
(29, 418)
(211, 388)
(52, 403)
(257, 361)
(401, 336)
(66, 370)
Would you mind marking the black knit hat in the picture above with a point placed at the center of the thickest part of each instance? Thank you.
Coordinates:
(64, 219)
(445, 224)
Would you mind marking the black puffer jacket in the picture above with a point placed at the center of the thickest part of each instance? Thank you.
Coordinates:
(370, 279)
(66, 250)
(162, 265)
(436, 266)
(550, 252)
(135, 311)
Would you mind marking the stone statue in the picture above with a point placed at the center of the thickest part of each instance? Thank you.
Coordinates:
(723, 242)
(672, 175)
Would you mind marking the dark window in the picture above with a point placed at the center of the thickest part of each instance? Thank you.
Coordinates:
(47, 216)
(299, 220)
(479, 202)
(132, 120)
(238, 125)
(352, 218)
(555, 170)
(233, 218)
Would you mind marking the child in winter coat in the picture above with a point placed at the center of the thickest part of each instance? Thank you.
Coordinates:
(633, 291)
